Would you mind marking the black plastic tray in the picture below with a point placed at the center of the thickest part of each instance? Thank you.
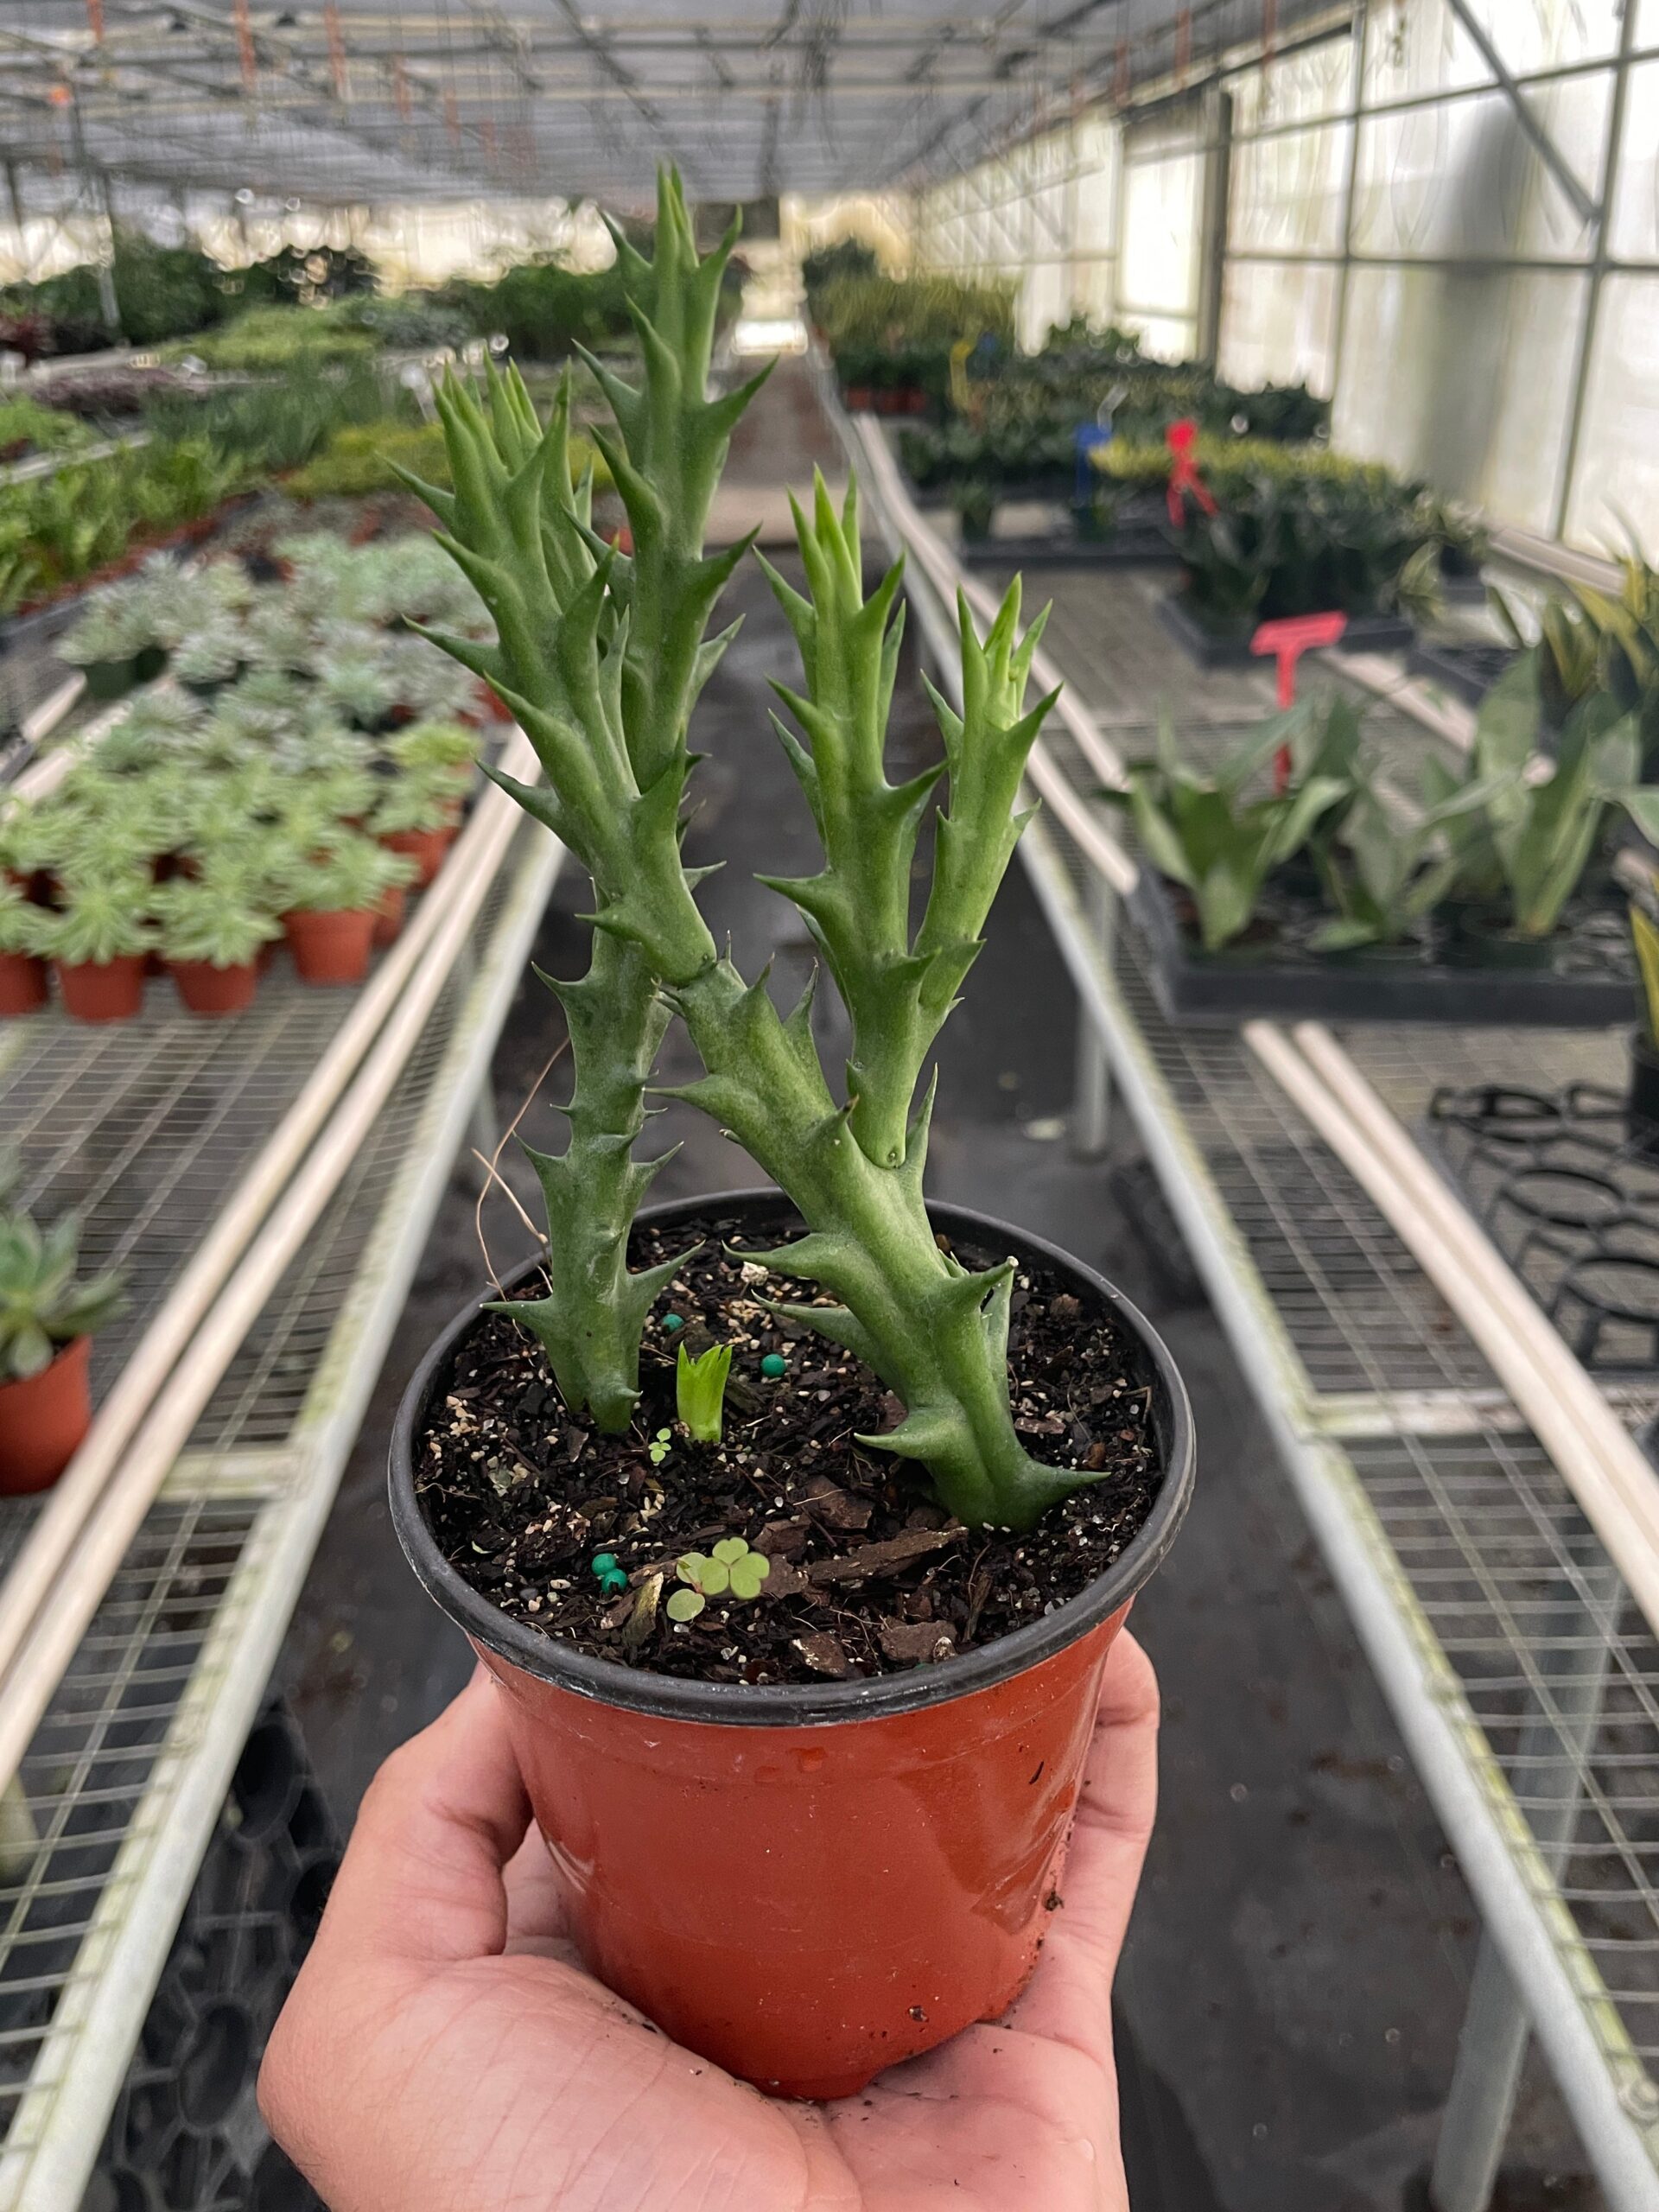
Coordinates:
(1138, 547)
(1366, 633)
(1467, 671)
(1221, 990)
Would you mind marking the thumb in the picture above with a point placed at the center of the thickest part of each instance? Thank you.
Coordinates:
(422, 1879)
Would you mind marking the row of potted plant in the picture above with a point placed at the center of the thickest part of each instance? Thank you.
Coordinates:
(200, 845)
(56, 530)
(304, 763)
(1297, 848)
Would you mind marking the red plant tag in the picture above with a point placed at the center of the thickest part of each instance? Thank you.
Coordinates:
(1181, 437)
(1287, 639)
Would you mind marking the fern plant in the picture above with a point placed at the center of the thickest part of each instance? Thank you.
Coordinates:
(600, 656)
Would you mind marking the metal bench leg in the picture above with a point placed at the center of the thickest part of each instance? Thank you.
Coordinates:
(1548, 1778)
(1491, 2045)
(1091, 1111)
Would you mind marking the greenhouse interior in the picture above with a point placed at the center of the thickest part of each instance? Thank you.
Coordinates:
(825, 840)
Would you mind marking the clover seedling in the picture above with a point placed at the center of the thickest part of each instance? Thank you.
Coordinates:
(700, 1390)
(730, 1570)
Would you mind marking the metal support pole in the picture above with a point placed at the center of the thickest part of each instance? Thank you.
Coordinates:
(1350, 193)
(1091, 1111)
(1587, 350)
(1549, 1779)
(1543, 146)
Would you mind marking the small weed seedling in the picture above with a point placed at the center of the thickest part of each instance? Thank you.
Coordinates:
(731, 1570)
(700, 1391)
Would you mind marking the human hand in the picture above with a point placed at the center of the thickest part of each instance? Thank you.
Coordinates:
(444, 2051)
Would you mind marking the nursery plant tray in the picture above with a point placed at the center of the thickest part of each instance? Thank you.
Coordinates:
(1366, 633)
(1467, 671)
(1569, 1193)
(1589, 986)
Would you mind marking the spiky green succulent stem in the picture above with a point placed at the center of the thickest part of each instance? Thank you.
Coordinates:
(935, 1332)
(601, 657)
(590, 1322)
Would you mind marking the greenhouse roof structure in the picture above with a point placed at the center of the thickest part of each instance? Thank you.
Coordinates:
(336, 101)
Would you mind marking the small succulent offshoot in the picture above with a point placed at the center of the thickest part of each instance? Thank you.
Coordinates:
(700, 1391)
(731, 1570)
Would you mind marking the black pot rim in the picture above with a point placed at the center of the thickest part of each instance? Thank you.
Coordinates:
(806, 1704)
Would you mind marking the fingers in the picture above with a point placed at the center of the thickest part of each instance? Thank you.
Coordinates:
(1070, 1994)
(422, 1877)
(537, 1909)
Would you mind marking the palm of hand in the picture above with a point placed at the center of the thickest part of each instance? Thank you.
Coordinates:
(442, 2052)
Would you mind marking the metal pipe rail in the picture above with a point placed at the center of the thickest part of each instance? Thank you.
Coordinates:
(1521, 1673)
(132, 1687)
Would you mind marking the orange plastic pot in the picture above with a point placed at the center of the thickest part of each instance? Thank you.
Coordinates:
(23, 983)
(330, 948)
(389, 916)
(426, 848)
(43, 1419)
(207, 989)
(103, 991)
(806, 1884)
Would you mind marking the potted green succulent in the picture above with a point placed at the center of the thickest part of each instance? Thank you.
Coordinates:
(104, 643)
(1541, 818)
(211, 657)
(416, 815)
(22, 968)
(211, 930)
(1216, 834)
(335, 881)
(99, 938)
(847, 1774)
(48, 1321)
(358, 686)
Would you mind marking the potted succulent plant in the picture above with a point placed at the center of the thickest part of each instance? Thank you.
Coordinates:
(802, 1710)
(99, 938)
(22, 969)
(105, 644)
(48, 1321)
(334, 881)
(416, 817)
(357, 685)
(211, 657)
(212, 929)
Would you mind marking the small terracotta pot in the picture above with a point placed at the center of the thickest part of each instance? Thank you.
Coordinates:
(207, 990)
(103, 991)
(858, 398)
(808, 1884)
(330, 948)
(497, 710)
(42, 1420)
(389, 917)
(23, 983)
(426, 848)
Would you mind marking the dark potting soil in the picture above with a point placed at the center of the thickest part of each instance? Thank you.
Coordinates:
(868, 1575)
